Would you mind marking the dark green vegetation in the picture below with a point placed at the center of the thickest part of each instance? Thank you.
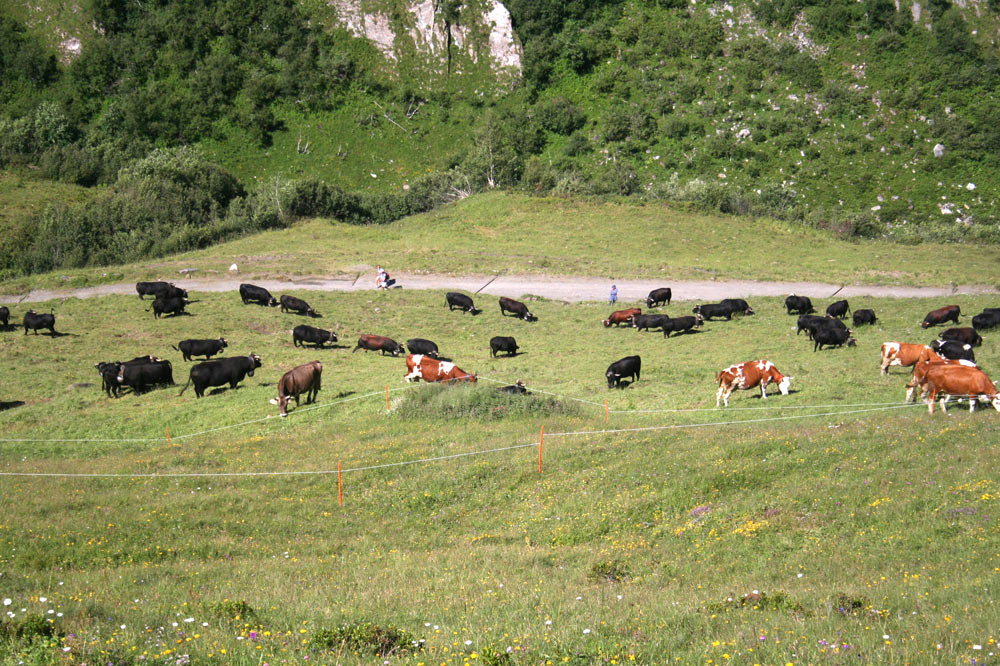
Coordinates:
(825, 114)
(835, 524)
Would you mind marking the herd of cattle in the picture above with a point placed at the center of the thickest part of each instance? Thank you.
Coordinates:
(946, 366)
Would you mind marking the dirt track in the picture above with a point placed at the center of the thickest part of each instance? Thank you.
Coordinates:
(571, 289)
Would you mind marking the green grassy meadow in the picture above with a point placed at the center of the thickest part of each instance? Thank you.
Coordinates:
(835, 525)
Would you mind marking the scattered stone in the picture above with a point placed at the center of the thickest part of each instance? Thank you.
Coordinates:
(939, 150)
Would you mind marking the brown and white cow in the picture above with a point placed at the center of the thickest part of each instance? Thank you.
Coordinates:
(305, 378)
(619, 317)
(430, 369)
(904, 354)
(952, 380)
(920, 370)
(746, 376)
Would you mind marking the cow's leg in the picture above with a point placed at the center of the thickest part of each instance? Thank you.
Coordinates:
(718, 394)
(930, 403)
(973, 399)
(413, 375)
(910, 390)
(944, 402)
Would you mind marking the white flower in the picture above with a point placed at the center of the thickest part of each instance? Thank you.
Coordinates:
(977, 647)
(43, 599)
(189, 619)
(468, 642)
(123, 626)
(7, 602)
(67, 649)
(548, 623)
(586, 631)
(800, 575)
(885, 636)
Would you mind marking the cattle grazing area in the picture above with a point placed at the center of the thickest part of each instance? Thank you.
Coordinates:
(664, 529)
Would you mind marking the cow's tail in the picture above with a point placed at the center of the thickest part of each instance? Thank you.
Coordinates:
(185, 387)
(175, 347)
(718, 377)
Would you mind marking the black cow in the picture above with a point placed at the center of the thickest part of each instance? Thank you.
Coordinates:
(460, 301)
(861, 317)
(4, 316)
(297, 305)
(798, 304)
(682, 325)
(806, 322)
(838, 309)
(737, 305)
(251, 293)
(967, 336)
(109, 373)
(150, 288)
(658, 297)
(36, 321)
(954, 350)
(709, 310)
(625, 367)
(206, 348)
(650, 322)
(986, 320)
(941, 315)
(379, 343)
(517, 307)
(831, 336)
(501, 343)
(303, 333)
(140, 375)
(172, 306)
(517, 388)
(815, 323)
(221, 371)
(422, 346)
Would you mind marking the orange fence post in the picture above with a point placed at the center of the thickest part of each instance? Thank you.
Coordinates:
(168, 436)
(387, 397)
(606, 413)
(340, 486)
(541, 438)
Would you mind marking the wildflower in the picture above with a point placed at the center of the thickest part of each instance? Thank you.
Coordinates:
(7, 602)
(586, 631)
(43, 599)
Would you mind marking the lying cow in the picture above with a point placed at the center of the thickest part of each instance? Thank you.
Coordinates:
(904, 354)
(959, 381)
(619, 317)
(517, 388)
(622, 368)
(171, 305)
(746, 376)
(838, 309)
(221, 371)
(941, 315)
(967, 336)
(140, 376)
(297, 305)
(680, 325)
(799, 304)
(456, 300)
(419, 366)
(251, 293)
(379, 343)
(517, 307)
(658, 297)
(502, 343)
(36, 321)
(422, 346)
(303, 379)
(317, 337)
(953, 350)
(206, 348)
(865, 316)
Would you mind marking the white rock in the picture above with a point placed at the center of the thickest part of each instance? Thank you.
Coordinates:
(939, 150)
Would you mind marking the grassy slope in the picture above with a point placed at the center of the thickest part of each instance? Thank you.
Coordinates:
(520, 234)
(887, 515)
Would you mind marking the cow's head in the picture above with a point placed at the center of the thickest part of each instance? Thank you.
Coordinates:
(607, 323)
(696, 309)
(223, 343)
(649, 301)
(333, 337)
(273, 302)
(530, 317)
(610, 374)
(784, 384)
(398, 350)
(924, 324)
(698, 320)
(851, 342)
(254, 363)
(312, 313)
(749, 310)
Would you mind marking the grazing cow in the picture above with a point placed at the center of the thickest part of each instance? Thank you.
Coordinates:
(622, 368)
(746, 376)
(682, 325)
(221, 371)
(619, 317)
(140, 375)
(959, 381)
(305, 378)
(150, 288)
(737, 305)
(709, 310)
(173, 305)
(456, 300)
(813, 325)
(862, 317)
(838, 309)
(297, 305)
(4, 316)
(650, 322)
(967, 336)
(517, 388)
(941, 315)
(36, 321)
(517, 307)
(904, 354)
(206, 348)
(831, 337)
(807, 322)
(422, 346)
(251, 293)
(986, 320)
(379, 343)
(953, 350)
(658, 297)
(419, 366)
(799, 304)
(109, 373)
(502, 343)
(317, 337)
(920, 369)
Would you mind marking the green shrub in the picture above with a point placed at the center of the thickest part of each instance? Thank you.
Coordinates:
(233, 610)
(482, 403)
(367, 637)
(610, 571)
(560, 116)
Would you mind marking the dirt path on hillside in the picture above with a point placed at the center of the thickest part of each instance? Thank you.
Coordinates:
(570, 289)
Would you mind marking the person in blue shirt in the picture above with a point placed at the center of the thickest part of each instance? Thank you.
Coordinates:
(613, 296)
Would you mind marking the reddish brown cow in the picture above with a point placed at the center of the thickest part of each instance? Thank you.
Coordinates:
(620, 317)
(941, 315)
(430, 369)
(904, 354)
(379, 343)
(959, 381)
(746, 376)
(306, 378)
(920, 370)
